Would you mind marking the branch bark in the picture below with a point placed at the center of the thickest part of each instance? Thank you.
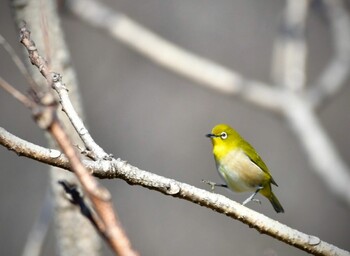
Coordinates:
(232, 83)
(41, 15)
(116, 168)
(46, 118)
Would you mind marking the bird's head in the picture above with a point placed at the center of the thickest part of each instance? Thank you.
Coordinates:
(223, 134)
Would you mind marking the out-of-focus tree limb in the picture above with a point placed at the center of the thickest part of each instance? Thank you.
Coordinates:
(290, 72)
(290, 50)
(171, 56)
(334, 76)
(280, 99)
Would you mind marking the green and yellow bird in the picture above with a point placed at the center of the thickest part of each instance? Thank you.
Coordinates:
(240, 165)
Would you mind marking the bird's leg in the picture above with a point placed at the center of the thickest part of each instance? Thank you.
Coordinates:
(251, 198)
(213, 184)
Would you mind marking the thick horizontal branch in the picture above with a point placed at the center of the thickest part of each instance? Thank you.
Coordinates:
(45, 116)
(116, 168)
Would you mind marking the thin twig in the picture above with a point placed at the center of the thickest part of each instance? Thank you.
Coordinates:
(55, 80)
(94, 150)
(16, 94)
(47, 119)
(77, 199)
(117, 168)
(68, 240)
(21, 67)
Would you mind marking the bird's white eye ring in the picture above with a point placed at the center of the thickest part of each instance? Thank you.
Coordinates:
(223, 135)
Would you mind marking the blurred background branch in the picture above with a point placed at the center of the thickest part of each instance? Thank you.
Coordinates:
(289, 68)
(292, 94)
(334, 76)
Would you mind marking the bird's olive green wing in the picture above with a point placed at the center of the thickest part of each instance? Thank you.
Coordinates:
(255, 158)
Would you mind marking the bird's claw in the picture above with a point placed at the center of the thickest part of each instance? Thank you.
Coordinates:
(251, 200)
(210, 183)
(256, 200)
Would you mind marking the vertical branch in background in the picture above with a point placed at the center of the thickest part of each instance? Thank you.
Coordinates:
(290, 53)
(334, 76)
(68, 219)
(289, 71)
(289, 98)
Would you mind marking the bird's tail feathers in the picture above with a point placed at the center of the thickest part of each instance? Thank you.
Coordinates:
(267, 192)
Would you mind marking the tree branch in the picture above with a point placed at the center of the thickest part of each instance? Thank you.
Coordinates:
(290, 50)
(44, 20)
(250, 90)
(116, 168)
(44, 110)
(279, 99)
(169, 55)
(313, 138)
(333, 78)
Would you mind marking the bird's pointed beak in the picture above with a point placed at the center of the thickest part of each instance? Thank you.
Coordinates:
(210, 135)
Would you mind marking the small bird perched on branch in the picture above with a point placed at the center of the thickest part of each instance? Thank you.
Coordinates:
(240, 166)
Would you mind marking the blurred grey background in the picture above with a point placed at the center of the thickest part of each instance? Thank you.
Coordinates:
(157, 120)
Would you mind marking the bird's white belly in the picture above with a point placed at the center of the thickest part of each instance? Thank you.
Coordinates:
(239, 172)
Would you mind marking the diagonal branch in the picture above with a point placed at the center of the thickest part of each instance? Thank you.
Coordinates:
(117, 168)
(169, 55)
(275, 98)
(302, 119)
(299, 113)
(55, 80)
(44, 108)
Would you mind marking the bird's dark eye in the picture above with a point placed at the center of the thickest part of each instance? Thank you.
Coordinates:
(223, 135)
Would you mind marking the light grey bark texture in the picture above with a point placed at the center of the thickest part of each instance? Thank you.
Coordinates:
(75, 234)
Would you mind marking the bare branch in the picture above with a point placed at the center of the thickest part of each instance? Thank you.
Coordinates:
(290, 72)
(337, 71)
(230, 82)
(77, 199)
(47, 119)
(117, 168)
(173, 57)
(56, 81)
(96, 152)
(16, 94)
(44, 20)
(99, 196)
(290, 51)
(21, 67)
(314, 138)
(227, 81)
